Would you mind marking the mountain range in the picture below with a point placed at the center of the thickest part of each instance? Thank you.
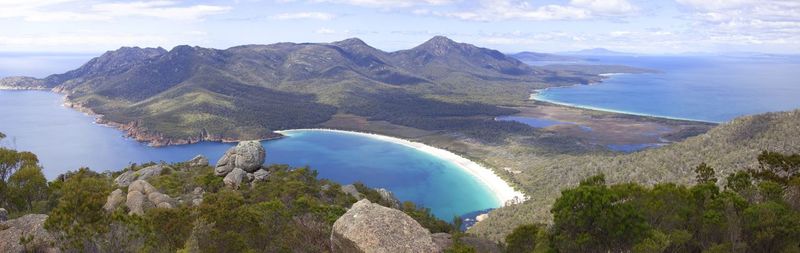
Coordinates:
(189, 94)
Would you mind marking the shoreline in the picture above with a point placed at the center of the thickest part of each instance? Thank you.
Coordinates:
(503, 192)
(133, 131)
(535, 96)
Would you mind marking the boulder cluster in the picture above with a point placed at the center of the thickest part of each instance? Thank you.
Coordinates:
(242, 164)
(128, 177)
(141, 196)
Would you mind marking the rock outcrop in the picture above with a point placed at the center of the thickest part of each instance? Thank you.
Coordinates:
(242, 164)
(114, 200)
(247, 155)
(198, 161)
(129, 176)
(3, 214)
(260, 175)
(369, 227)
(30, 226)
(389, 197)
(141, 196)
(235, 178)
(352, 191)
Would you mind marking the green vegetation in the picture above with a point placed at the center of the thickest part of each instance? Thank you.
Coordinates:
(757, 211)
(291, 208)
(247, 92)
(23, 187)
(729, 148)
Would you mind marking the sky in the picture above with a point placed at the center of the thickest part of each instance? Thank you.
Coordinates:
(641, 26)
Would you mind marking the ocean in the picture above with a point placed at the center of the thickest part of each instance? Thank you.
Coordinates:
(702, 88)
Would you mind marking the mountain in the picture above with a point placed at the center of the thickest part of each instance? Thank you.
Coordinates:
(598, 52)
(728, 148)
(189, 94)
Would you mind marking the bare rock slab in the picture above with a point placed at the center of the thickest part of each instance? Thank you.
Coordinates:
(369, 227)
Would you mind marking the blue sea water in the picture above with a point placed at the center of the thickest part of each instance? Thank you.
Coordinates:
(40, 64)
(704, 88)
(65, 139)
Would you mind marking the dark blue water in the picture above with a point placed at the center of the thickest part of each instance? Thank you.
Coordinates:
(714, 89)
(531, 121)
(65, 139)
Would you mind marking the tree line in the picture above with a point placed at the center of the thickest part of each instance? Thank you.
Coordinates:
(756, 210)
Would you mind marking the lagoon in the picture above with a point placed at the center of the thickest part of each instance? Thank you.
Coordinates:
(65, 139)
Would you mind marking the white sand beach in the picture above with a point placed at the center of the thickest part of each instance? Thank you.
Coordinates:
(503, 192)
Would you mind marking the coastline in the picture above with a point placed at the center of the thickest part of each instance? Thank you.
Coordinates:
(535, 96)
(503, 192)
(133, 131)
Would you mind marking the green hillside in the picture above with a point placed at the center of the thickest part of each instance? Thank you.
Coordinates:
(728, 148)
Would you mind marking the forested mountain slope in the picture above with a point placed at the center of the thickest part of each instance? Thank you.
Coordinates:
(189, 94)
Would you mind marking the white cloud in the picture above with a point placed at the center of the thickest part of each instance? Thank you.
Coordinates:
(716, 4)
(159, 9)
(605, 6)
(757, 22)
(71, 10)
(492, 10)
(304, 15)
(325, 31)
(387, 3)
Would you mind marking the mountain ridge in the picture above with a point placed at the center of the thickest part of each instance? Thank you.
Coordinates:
(191, 93)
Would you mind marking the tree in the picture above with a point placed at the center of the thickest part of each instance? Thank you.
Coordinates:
(777, 167)
(771, 227)
(705, 174)
(27, 185)
(10, 162)
(593, 218)
(79, 215)
(522, 239)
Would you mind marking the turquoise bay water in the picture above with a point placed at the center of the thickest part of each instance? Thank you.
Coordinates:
(65, 139)
(714, 89)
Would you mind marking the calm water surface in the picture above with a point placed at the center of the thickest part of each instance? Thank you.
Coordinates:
(714, 89)
(65, 139)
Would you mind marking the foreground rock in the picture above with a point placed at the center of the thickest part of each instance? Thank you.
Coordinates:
(369, 227)
(29, 226)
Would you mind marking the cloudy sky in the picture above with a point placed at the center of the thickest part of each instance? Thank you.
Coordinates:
(654, 26)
